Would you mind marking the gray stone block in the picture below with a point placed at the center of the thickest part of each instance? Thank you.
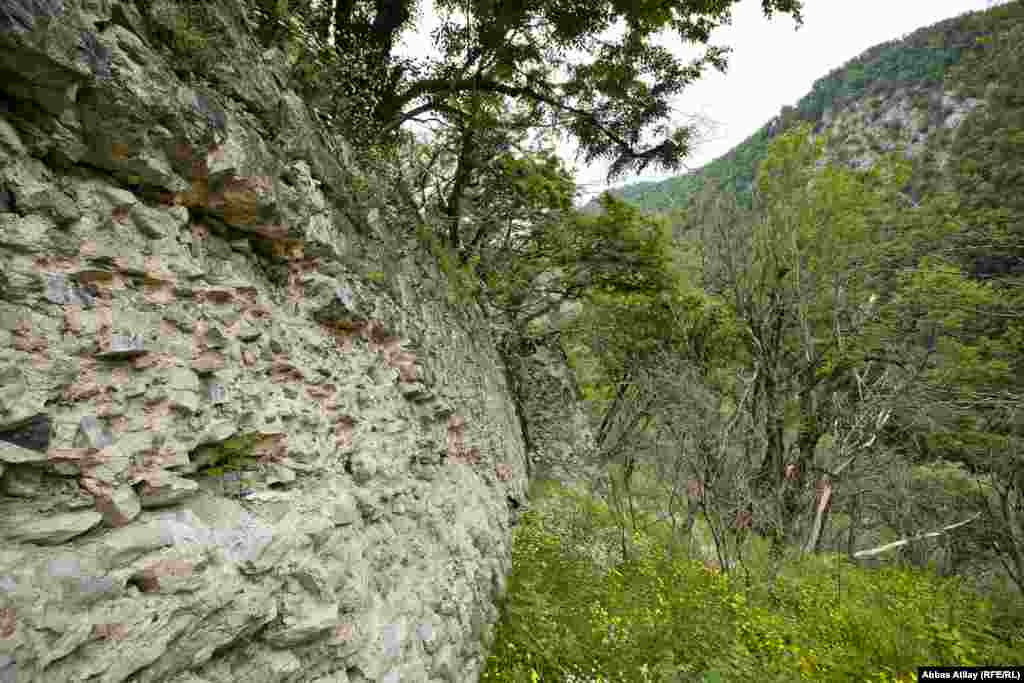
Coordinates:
(122, 346)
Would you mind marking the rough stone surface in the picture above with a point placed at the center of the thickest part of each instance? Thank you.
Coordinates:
(48, 530)
(226, 454)
(32, 434)
(908, 120)
(548, 403)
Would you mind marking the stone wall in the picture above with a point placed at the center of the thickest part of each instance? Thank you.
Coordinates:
(559, 438)
(243, 435)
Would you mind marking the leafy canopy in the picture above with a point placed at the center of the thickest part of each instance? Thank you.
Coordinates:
(589, 68)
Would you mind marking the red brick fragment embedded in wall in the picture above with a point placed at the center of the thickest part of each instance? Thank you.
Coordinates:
(159, 359)
(405, 363)
(200, 233)
(8, 622)
(271, 448)
(120, 376)
(282, 370)
(158, 291)
(344, 430)
(319, 392)
(209, 361)
(104, 495)
(26, 340)
(344, 632)
(456, 432)
(298, 268)
(64, 264)
(73, 319)
(149, 578)
(86, 385)
(120, 215)
(155, 415)
(110, 631)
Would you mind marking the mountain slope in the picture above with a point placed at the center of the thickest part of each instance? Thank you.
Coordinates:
(907, 95)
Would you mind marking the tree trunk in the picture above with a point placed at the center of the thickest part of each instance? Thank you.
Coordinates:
(1010, 514)
(627, 485)
(611, 413)
(824, 505)
(852, 535)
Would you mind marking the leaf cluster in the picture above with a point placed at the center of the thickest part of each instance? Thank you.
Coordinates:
(538, 269)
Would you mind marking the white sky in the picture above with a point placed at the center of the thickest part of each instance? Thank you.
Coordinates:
(771, 65)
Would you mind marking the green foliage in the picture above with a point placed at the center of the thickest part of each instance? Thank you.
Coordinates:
(886, 67)
(615, 335)
(923, 58)
(995, 47)
(514, 53)
(233, 459)
(990, 143)
(829, 620)
(462, 281)
(659, 619)
(732, 172)
(564, 614)
(340, 77)
(188, 29)
(618, 253)
(967, 286)
(861, 306)
(967, 53)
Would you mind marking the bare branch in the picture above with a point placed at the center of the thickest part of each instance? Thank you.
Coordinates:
(873, 552)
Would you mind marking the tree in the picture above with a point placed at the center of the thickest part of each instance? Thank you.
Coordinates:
(507, 70)
(968, 284)
(615, 101)
(648, 366)
(801, 274)
(481, 176)
(971, 401)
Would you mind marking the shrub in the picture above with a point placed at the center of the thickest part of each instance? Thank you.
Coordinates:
(655, 619)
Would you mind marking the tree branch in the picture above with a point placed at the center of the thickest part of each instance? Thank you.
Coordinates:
(437, 86)
(864, 554)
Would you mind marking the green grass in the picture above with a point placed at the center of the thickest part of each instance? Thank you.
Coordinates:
(655, 618)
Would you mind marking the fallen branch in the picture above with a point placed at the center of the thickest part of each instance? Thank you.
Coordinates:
(862, 554)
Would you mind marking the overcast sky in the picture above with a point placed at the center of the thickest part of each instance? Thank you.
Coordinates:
(772, 64)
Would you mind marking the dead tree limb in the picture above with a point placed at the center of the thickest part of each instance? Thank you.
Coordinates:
(873, 552)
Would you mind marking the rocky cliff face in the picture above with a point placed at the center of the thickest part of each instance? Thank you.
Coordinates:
(910, 120)
(243, 435)
(559, 435)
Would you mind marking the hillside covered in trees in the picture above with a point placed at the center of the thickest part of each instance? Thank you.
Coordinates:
(924, 66)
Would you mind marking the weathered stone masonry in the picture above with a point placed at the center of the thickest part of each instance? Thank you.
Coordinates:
(226, 454)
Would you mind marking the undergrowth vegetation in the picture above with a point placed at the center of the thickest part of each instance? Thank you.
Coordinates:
(663, 616)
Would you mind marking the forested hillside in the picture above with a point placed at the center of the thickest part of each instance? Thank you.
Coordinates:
(921, 68)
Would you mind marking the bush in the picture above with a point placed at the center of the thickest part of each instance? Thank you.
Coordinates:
(834, 621)
(655, 619)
